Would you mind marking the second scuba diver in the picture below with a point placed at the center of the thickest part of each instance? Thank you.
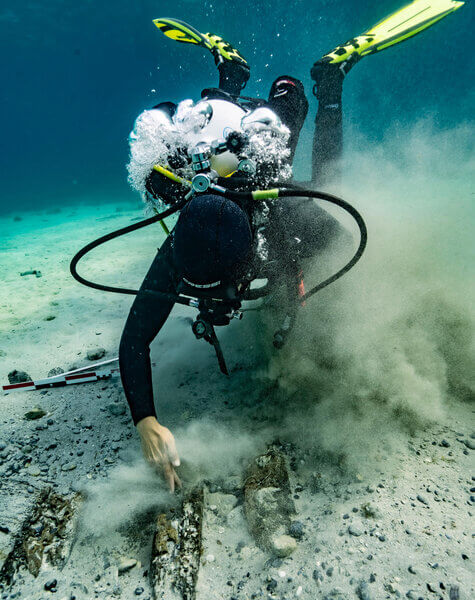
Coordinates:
(219, 246)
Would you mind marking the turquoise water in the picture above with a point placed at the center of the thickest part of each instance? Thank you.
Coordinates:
(76, 74)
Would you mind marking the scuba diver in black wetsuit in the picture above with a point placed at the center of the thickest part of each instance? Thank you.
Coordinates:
(212, 250)
(187, 258)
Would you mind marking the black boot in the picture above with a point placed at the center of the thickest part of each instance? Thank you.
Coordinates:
(328, 81)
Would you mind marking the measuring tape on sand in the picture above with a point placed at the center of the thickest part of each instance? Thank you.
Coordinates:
(83, 375)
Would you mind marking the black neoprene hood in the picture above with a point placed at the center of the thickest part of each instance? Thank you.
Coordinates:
(212, 241)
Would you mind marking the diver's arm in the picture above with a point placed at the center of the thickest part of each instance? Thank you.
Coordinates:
(145, 320)
(147, 316)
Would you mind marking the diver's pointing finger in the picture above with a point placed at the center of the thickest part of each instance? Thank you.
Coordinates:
(171, 482)
(169, 474)
(173, 454)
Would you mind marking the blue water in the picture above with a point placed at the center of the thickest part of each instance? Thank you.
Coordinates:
(76, 74)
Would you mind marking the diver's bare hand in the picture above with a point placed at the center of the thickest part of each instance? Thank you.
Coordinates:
(159, 449)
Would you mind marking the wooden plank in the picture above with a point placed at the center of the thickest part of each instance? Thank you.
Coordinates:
(46, 537)
(268, 503)
(176, 551)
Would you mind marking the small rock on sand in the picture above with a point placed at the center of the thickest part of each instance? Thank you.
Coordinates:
(16, 376)
(116, 409)
(283, 545)
(296, 530)
(96, 353)
(370, 511)
(55, 371)
(355, 530)
(68, 467)
(224, 503)
(362, 591)
(35, 413)
(126, 564)
(51, 585)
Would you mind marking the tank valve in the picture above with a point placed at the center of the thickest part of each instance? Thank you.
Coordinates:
(247, 166)
(200, 183)
(200, 157)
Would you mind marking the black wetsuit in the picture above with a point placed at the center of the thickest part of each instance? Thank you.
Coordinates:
(148, 314)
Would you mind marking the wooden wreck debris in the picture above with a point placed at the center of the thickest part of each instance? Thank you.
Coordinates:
(164, 560)
(176, 551)
(190, 533)
(268, 503)
(46, 537)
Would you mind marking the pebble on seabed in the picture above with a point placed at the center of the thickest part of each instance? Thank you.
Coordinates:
(51, 585)
(283, 545)
(355, 530)
(296, 530)
(126, 564)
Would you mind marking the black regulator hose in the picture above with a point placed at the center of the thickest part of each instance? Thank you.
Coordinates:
(110, 236)
(286, 191)
(295, 191)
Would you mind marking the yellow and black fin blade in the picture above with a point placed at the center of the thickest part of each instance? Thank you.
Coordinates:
(401, 25)
(182, 32)
(224, 49)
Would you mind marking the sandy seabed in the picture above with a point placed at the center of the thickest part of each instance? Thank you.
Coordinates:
(376, 430)
(51, 319)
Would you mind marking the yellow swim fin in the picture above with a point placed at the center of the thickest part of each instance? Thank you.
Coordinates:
(401, 25)
(182, 32)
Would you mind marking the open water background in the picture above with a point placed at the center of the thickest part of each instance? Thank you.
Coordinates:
(76, 74)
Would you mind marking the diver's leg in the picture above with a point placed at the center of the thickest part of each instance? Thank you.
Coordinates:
(296, 226)
(328, 136)
(233, 77)
(146, 318)
(287, 99)
(328, 73)
(233, 68)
